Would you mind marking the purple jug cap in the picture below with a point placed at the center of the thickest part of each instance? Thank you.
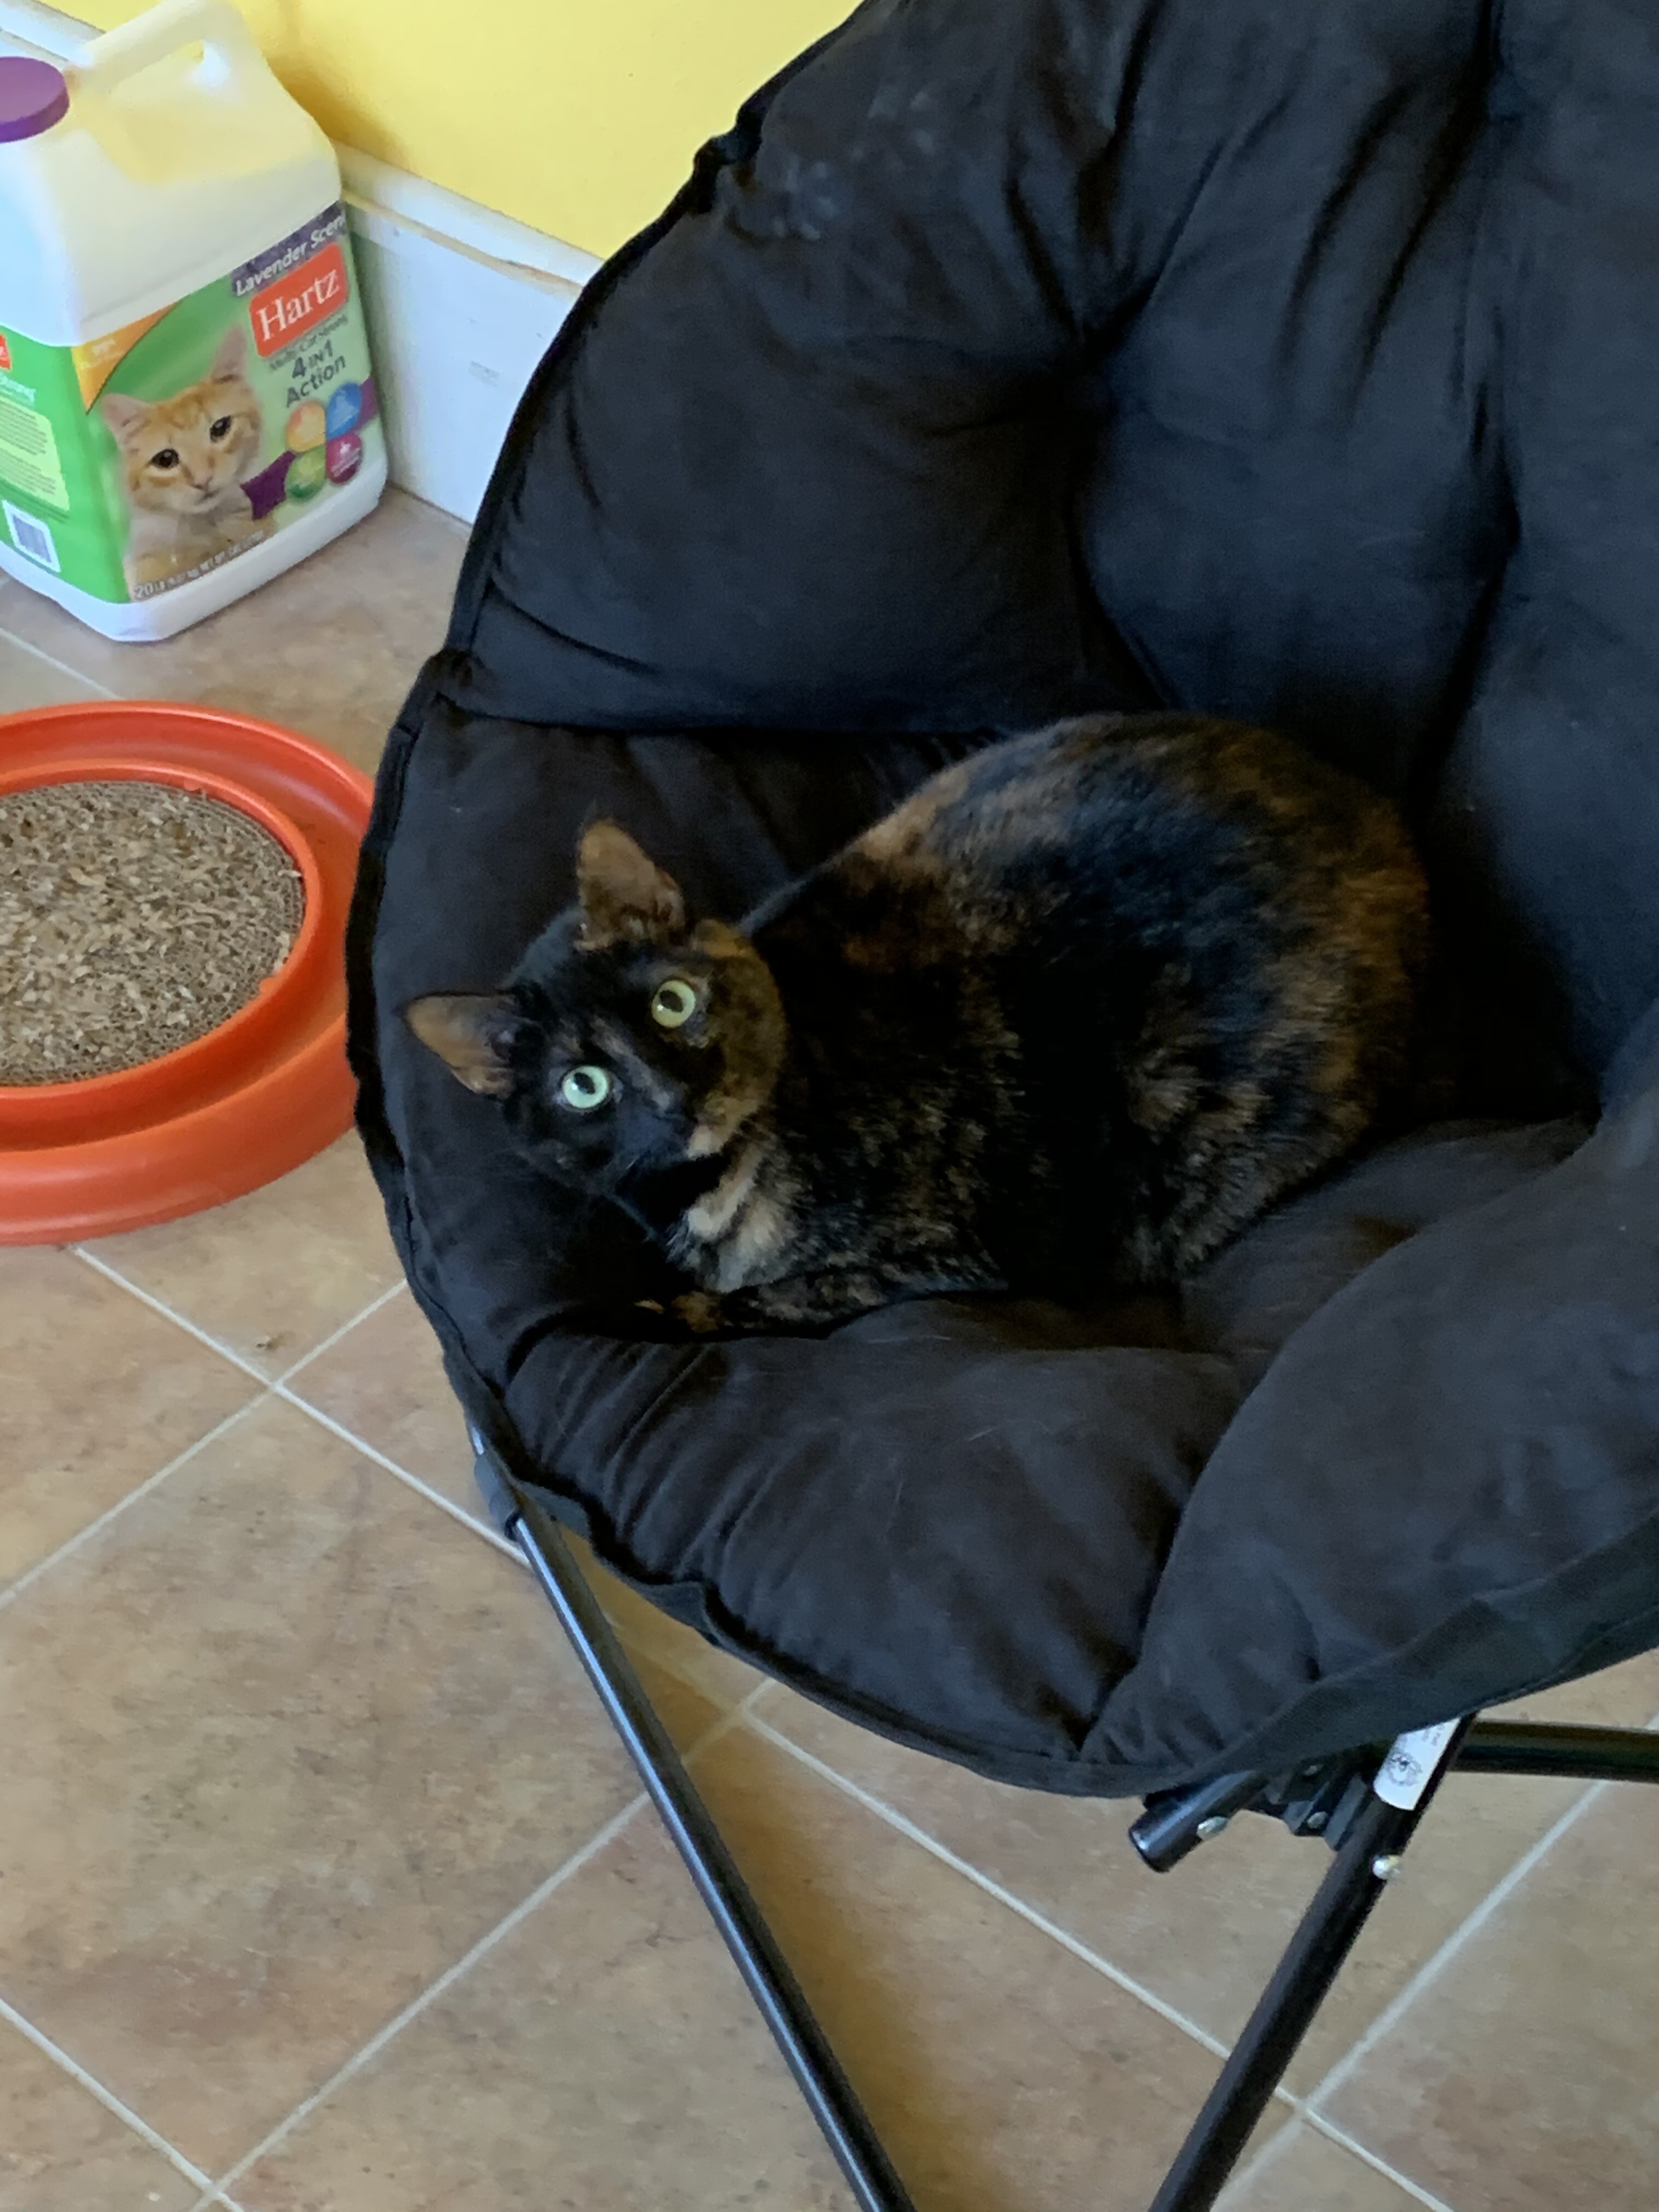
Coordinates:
(33, 95)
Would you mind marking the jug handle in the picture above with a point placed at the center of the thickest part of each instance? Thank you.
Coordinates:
(229, 48)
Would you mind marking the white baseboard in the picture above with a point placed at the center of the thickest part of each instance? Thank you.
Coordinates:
(455, 329)
(462, 302)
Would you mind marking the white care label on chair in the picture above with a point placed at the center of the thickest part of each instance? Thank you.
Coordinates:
(1412, 1765)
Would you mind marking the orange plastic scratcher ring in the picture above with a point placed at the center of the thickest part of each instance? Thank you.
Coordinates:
(266, 1088)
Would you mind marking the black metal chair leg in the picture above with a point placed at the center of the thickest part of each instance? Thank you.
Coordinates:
(845, 2125)
(1586, 1754)
(1368, 1860)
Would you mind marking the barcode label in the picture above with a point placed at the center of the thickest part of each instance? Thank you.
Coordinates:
(31, 537)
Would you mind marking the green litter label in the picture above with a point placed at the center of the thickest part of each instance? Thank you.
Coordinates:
(29, 452)
(137, 462)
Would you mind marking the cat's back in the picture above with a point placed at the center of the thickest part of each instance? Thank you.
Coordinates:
(1126, 825)
(1111, 838)
(1220, 918)
(1182, 792)
(1114, 986)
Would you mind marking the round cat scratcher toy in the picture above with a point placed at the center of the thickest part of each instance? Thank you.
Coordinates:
(174, 889)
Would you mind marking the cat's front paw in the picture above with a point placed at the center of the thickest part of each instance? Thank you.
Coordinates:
(701, 1311)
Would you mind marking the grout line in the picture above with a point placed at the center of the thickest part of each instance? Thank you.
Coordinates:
(486, 1944)
(721, 1726)
(1355, 2148)
(384, 1298)
(1278, 2144)
(1433, 1968)
(981, 1881)
(217, 2196)
(279, 1387)
(214, 1343)
(106, 2097)
(113, 1512)
(1465, 1931)
(477, 1527)
(1265, 2156)
(1463, 1934)
(156, 1305)
(22, 645)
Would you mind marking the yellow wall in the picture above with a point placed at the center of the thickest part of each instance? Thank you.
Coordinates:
(580, 116)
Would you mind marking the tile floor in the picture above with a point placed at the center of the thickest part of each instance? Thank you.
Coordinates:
(325, 1888)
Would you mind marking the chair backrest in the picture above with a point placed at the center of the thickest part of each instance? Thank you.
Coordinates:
(1291, 358)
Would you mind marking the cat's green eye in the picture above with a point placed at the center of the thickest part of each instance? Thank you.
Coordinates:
(166, 459)
(674, 1004)
(585, 1088)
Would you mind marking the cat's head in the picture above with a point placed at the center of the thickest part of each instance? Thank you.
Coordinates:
(629, 1039)
(180, 455)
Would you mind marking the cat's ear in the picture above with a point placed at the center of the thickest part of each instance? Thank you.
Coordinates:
(625, 896)
(231, 359)
(126, 416)
(472, 1032)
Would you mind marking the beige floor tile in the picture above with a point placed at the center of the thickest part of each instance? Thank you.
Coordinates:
(1205, 1937)
(329, 649)
(281, 1745)
(270, 1275)
(602, 2058)
(613, 2049)
(1523, 2079)
(1309, 2173)
(1626, 1696)
(28, 680)
(100, 1393)
(1002, 2070)
(384, 1380)
(62, 2151)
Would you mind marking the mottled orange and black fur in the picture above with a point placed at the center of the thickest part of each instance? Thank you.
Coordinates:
(1086, 1004)
(182, 462)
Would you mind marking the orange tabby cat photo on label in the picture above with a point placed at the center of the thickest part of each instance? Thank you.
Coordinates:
(141, 460)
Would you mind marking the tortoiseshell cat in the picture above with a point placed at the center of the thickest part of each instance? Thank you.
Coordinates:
(1084, 1006)
(182, 463)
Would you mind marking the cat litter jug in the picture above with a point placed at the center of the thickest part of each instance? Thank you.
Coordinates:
(187, 403)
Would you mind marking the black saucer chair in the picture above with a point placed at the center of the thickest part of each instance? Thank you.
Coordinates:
(1008, 358)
